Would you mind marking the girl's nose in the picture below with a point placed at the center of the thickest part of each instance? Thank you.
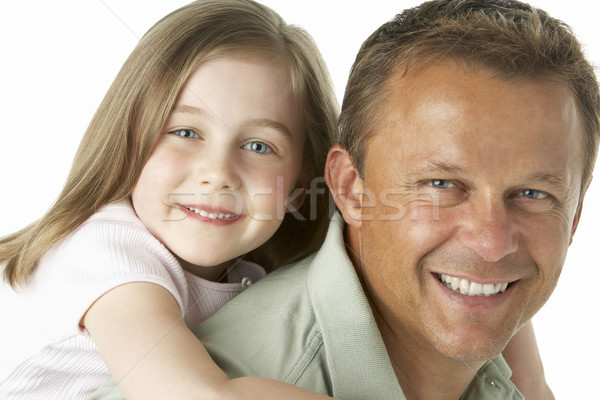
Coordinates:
(219, 171)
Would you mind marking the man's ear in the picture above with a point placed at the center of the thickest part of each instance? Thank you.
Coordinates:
(576, 221)
(345, 185)
(578, 212)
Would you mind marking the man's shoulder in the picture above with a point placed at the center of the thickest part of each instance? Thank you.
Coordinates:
(288, 282)
(280, 297)
(269, 331)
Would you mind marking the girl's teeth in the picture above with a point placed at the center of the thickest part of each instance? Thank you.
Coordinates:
(206, 214)
(469, 288)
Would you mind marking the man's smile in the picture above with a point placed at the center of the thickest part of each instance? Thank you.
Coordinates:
(470, 288)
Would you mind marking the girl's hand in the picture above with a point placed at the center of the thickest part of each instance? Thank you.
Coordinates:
(524, 359)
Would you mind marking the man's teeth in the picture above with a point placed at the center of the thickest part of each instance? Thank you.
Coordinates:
(206, 214)
(469, 288)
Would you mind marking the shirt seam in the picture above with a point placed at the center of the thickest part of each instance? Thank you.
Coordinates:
(306, 358)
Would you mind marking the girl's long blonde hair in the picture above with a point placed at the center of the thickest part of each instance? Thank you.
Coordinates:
(127, 123)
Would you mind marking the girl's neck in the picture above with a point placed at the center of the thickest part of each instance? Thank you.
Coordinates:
(216, 273)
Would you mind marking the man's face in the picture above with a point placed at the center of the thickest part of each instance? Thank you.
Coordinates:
(470, 200)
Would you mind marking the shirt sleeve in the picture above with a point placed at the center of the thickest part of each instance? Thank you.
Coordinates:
(96, 258)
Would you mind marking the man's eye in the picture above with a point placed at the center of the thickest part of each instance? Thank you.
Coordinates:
(441, 183)
(533, 194)
(258, 147)
(185, 133)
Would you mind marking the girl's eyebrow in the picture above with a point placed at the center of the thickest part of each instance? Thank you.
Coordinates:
(269, 123)
(257, 122)
(189, 110)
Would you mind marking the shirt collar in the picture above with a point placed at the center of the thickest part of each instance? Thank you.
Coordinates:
(353, 344)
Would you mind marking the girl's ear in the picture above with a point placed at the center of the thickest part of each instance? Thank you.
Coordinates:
(345, 184)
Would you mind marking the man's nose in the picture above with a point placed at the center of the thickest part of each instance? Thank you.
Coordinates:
(487, 228)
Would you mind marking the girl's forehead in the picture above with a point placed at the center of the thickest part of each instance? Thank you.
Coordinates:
(240, 92)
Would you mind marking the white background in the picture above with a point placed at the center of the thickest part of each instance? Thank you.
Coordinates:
(58, 58)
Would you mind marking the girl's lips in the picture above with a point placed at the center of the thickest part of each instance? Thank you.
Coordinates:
(215, 215)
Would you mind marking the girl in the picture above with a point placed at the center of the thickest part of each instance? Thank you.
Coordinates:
(193, 168)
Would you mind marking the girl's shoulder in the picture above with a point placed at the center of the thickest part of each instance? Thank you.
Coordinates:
(119, 212)
(116, 235)
(110, 249)
(113, 226)
(112, 242)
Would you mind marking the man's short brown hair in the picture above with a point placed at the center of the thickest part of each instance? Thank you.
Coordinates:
(510, 39)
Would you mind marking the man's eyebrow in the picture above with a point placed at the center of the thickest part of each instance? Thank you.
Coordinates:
(546, 177)
(439, 166)
(258, 122)
(537, 177)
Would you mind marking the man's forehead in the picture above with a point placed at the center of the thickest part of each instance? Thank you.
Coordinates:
(446, 88)
(460, 113)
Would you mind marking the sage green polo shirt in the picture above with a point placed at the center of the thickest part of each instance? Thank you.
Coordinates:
(309, 324)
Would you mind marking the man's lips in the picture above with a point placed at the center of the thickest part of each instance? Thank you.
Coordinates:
(471, 288)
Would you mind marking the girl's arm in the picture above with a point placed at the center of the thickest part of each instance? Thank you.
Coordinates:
(523, 357)
(152, 354)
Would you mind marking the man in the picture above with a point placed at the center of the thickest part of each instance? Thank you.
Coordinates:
(468, 134)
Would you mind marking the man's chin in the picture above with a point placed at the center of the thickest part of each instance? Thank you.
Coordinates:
(474, 349)
(474, 355)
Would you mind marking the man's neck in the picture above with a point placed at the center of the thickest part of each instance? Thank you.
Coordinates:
(421, 372)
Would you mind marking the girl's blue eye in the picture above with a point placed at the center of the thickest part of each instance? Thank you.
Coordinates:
(441, 183)
(185, 133)
(258, 147)
(533, 194)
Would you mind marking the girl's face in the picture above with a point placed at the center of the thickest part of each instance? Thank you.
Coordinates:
(217, 182)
